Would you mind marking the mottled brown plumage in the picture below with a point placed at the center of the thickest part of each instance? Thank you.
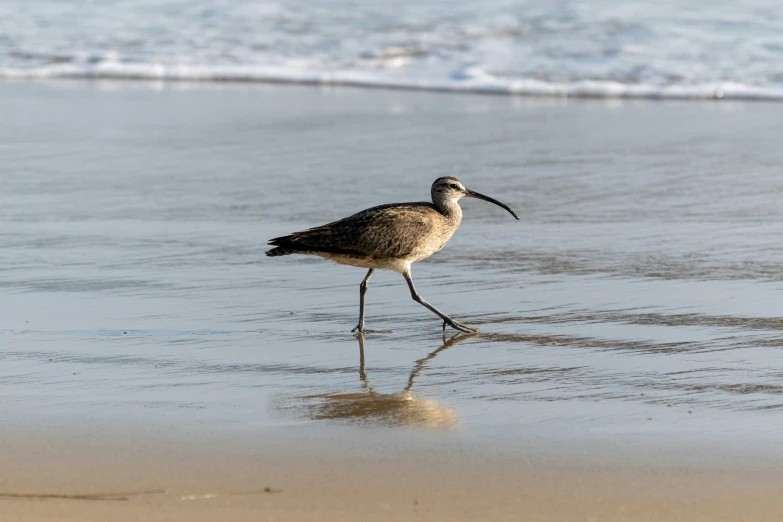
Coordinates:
(386, 237)
(389, 237)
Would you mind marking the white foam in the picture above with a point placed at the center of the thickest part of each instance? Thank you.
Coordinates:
(473, 82)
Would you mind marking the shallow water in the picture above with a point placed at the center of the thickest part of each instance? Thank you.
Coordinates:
(638, 296)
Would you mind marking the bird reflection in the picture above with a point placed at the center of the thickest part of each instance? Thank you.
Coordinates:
(373, 408)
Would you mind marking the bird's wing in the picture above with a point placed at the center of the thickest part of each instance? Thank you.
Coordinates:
(385, 231)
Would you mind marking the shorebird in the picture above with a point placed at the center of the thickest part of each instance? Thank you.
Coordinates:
(389, 237)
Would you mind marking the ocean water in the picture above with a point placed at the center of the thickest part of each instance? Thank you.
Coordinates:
(639, 297)
(665, 49)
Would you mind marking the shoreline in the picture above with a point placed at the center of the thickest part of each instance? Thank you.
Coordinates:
(622, 372)
(533, 89)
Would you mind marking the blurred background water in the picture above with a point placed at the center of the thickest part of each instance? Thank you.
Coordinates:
(671, 49)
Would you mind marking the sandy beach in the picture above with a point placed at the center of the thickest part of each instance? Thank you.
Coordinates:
(155, 366)
(88, 475)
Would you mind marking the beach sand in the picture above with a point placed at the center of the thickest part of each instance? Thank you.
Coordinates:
(91, 476)
(155, 366)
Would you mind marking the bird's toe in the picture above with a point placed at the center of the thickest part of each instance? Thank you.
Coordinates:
(463, 327)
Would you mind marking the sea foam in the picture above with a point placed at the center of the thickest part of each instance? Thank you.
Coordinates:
(475, 83)
(671, 49)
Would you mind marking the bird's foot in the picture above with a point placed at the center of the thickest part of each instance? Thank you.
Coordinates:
(359, 328)
(459, 326)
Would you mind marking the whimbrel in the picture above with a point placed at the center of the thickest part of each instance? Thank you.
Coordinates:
(389, 237)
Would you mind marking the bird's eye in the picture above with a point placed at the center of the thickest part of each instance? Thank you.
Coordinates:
(454, 186)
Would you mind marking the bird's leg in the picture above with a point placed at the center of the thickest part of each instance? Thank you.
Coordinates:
(446, 319)
(362, 292)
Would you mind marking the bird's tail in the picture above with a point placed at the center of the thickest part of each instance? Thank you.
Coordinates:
(280, 251)
(283, 246)
(304, 243)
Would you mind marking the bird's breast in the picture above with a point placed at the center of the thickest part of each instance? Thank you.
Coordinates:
(435, 244)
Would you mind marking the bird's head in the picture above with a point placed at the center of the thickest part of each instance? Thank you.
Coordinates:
(449, 189)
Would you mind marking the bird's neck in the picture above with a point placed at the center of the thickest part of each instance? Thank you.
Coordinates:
(451, 209)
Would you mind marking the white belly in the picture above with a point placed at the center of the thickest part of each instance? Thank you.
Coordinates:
(397, 264)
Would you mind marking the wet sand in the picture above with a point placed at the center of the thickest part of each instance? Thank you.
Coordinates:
(627, 368)
(97, 475)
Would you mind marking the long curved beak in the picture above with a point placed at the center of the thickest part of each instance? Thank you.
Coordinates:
(472, 194)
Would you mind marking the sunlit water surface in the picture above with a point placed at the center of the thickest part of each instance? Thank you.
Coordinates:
(639, 295)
